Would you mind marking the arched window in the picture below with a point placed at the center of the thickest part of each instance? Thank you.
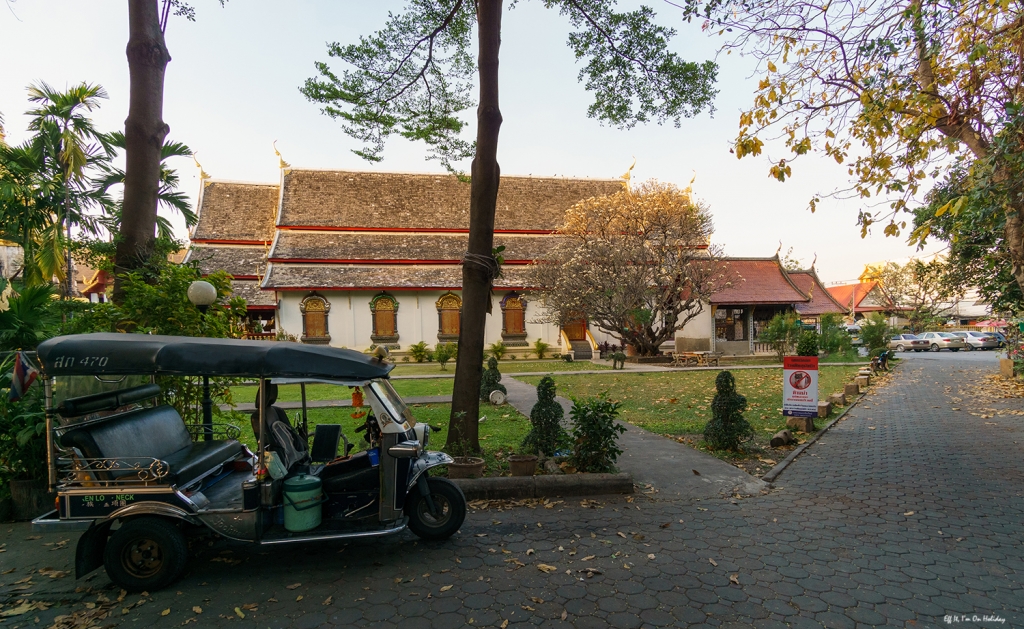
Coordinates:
(513, 319)
(384, 310)
(314, 309)
(449, 315)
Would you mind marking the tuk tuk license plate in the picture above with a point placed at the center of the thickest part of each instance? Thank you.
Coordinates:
(99, 505)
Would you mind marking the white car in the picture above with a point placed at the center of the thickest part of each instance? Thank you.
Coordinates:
(979, 340)
(943, 340)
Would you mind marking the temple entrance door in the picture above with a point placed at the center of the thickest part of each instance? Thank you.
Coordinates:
(576, 330)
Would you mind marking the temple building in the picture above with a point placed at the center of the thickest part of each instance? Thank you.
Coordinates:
(354, 259)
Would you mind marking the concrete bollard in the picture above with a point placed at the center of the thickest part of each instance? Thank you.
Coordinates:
(851, 390)
(837, 399)
(863, 382)
(824, 409)
(801, 424)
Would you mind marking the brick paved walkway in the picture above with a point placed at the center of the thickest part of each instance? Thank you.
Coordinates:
(834, 545)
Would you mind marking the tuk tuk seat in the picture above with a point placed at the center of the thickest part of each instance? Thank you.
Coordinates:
(157, 432)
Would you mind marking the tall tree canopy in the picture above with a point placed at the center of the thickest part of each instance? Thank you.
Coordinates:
(896, 92)
(413, 78)
(638, 263)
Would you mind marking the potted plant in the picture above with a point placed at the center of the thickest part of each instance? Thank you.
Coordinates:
(523, 464)
(466, 467)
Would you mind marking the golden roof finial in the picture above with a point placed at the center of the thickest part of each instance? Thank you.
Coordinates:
(627, 175)
(779, 249)
(814, 261)
(280, 160)
(688, 191)
(202, 173)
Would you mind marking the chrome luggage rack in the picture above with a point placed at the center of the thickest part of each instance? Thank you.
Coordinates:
(125, 471)
(216, 431)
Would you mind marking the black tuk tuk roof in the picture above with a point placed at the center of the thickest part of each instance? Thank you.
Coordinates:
(128, 354)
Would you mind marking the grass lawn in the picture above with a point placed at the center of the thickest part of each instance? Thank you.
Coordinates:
(504, 366)
(293, 393)
(500, 433)
(679, 403)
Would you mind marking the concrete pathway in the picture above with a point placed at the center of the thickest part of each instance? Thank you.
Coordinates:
(674, 469)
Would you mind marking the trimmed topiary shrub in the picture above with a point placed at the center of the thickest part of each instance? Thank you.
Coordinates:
(595, 434)
(546, 434)
(727, 428)
(807, 344)
(491, 380)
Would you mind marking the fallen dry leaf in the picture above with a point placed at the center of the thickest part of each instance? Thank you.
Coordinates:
(197, 609)
(299, 597)
(565, 614)
(909, 513)
(621, 534)
(168, 611)
(713, 562)
(445, 588)
(734, 578)
(504, 624)
(328, 600)
(650, 556)
(539, 601)
(666, 525)
(588, 558)
(239, 612)
(546, 568)
(292, 586)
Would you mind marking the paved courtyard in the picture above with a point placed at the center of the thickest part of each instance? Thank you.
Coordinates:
(907, 513)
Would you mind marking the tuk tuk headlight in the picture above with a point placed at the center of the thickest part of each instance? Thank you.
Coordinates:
(424, 434)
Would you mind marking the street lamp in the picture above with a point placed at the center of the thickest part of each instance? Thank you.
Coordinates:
(203, 294)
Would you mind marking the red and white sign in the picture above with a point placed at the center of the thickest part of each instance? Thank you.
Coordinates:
(800, 386)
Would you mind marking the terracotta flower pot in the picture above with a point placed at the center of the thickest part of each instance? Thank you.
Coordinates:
(466, 467)
(523, 464)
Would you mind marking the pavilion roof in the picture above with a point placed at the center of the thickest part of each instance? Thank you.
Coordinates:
(821, 300)
(238, 260)
(378, 277)
(854, 296)
(236, 212)
(757, 281)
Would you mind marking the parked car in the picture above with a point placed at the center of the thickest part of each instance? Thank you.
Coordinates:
(854, 332)
(978, 340)
(1000, 337)
(944, 340)
(904, 342)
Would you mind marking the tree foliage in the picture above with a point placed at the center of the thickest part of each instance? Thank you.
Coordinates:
(917, 290)
(875, 331)
(595, 434)
(638, 264)
(833, 337)
(807, 343)
(782, 333)
(894, 92)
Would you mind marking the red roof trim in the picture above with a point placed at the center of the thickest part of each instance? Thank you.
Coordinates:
(240, 277)
(367, 261)
(375, 288)
(327, 228)
(248, 307)
(219, 241)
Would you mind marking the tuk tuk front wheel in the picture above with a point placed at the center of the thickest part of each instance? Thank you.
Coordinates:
(449, 505)
(145, 554)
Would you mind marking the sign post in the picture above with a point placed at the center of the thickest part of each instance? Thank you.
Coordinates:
(800, 386)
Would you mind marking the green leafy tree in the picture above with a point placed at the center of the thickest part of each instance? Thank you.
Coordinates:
(834, 339)
(595, 434)
(443, 353)
(414, 78)
(69, 144)
(807, 343)
(875, 331)
(727, 428)
(893, 92)
(22, 431)
(540, 349)
(30, 318)
(781, 333)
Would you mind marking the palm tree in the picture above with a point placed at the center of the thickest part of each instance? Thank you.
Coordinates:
(68, 143)
(29, 203)
(168, 196)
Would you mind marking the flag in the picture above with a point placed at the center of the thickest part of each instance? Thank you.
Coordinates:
(23, 376)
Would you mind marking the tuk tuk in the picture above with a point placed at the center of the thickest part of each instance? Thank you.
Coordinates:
(144, 480)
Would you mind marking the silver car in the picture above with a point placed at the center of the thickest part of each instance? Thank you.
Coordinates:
(905, 342)
(943, 340)
(979, 340)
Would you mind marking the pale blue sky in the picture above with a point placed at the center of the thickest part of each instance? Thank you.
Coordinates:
(232, 89)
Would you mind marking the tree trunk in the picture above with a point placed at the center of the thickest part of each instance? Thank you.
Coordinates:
(144, 132)
(463, 429)
(1013, 232)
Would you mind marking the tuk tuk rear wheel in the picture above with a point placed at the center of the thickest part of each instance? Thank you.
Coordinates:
(145, 554)
(450, 504)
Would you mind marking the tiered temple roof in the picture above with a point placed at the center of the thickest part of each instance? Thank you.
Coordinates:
(821, 301)
(758, 281)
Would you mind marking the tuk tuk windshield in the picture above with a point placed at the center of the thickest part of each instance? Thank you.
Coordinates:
(387, 394)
